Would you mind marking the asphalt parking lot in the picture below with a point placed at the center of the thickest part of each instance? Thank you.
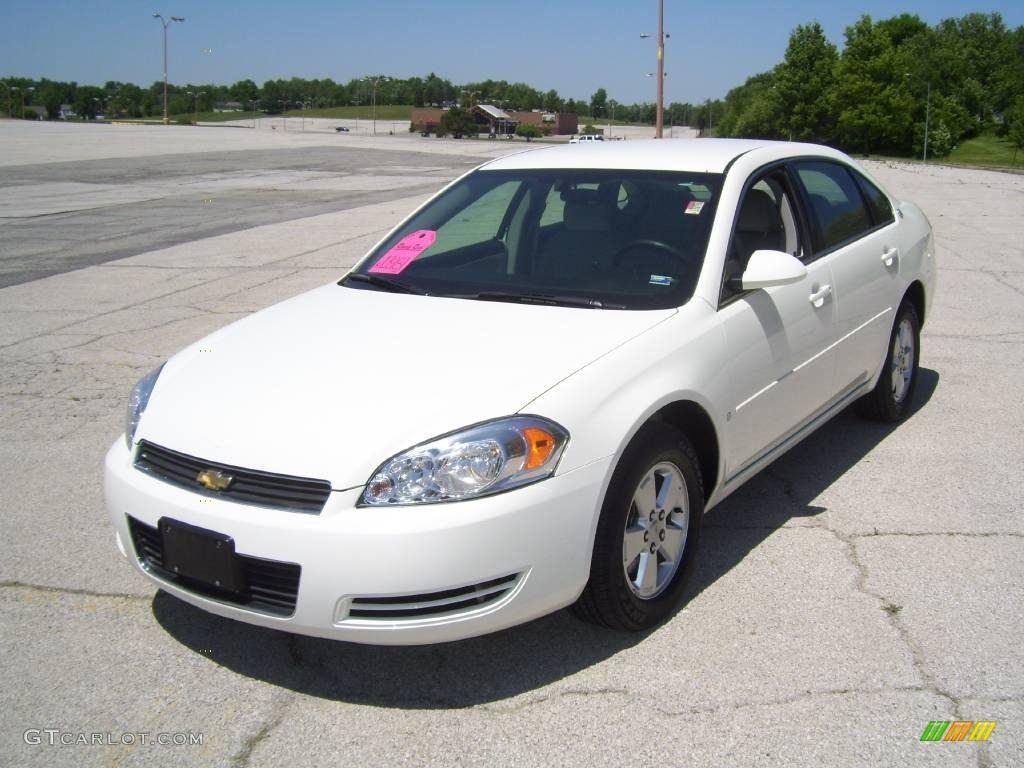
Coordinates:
(867, 583)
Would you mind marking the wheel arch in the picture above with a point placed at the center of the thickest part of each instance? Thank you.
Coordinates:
(915, 295)
(691, 419)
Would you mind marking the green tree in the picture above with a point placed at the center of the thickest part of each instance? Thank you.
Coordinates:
(1016, 132)
(528, 131)
(458, 122)
(244, 92)
(803, 86)
(751, 110)
(89, 101)
(552, 101)
(598, 103)
(871, 99)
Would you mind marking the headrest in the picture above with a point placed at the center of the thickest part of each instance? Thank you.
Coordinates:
(586, 216)
(759, 213)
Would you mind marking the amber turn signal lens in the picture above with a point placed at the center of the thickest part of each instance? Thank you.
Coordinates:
(539, 445)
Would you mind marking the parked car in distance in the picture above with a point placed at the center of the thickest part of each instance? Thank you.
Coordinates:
(586, 139)
(527, 395)
(341, 129)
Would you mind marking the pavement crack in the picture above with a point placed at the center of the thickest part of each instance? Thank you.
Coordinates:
(15, 584)
(242, 757)
(893, 615)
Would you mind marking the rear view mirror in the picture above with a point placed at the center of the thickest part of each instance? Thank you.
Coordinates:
(768, 268)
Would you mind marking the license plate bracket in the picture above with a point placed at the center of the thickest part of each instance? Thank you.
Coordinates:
(202, 555)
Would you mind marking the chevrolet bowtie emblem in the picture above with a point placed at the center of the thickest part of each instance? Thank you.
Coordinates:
(214, 480)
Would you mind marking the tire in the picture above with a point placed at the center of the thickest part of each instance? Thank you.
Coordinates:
(617, 595)
(893, 395)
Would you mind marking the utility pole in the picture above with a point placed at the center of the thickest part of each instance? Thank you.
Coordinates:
(659, 114)
(659, 120)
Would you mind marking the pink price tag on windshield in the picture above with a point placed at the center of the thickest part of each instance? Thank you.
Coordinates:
(405, 252)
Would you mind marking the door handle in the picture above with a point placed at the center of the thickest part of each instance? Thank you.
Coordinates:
(889, 255)
(817, 298)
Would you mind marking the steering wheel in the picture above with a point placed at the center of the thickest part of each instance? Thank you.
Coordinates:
(685, 261)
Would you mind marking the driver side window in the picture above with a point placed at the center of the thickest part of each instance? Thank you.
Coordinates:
(765, 221)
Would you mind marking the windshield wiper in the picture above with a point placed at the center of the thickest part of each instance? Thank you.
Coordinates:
(384, 282)
(539, 298)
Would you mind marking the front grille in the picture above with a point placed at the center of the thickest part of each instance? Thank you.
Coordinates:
(432, 603)
(271, 587)
(248, 486)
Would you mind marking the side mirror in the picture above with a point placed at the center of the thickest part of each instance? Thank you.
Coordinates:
(768, 268)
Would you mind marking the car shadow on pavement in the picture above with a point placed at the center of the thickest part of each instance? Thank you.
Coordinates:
(525, 658)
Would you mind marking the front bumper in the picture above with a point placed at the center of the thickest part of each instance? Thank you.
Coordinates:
(390, 576)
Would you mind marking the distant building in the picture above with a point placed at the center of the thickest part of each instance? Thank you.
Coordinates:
(66, 112)
(491, 119)
(560, 123)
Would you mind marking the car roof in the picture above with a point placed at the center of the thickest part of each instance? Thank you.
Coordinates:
(694, 155)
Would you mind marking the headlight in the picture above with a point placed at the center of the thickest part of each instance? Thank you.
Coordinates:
(478, 461)
(137, 403)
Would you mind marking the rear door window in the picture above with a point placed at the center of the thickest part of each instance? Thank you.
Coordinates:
(838, 212)
(878, 203)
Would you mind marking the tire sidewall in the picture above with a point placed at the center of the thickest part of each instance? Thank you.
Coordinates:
(654, 444)
(897, 410)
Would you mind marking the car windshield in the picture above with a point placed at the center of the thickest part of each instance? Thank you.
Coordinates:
(601, 239)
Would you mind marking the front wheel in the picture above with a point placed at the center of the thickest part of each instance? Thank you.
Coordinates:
(892, 397)
(646, 542)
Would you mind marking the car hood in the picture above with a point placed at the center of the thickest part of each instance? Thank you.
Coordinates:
(332, 383)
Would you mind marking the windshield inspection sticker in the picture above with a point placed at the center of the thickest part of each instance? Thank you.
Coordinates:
(660, 280)
(404, 252)
(694, 207)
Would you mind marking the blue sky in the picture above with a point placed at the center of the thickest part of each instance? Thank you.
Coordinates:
(574, 46)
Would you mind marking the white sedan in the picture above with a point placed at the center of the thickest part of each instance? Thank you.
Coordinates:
(527, 395)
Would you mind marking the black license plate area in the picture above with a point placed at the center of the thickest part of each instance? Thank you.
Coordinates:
(202, 555)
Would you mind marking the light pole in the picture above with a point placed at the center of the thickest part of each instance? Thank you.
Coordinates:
(927, 115)
(27, 90)
(166, 23)
(10, 101)
(252, 108)
(611, 105)
(659, 118)
(195, 105)
(373, 102)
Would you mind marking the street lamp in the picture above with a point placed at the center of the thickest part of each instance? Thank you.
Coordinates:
(927, 115)
(611, 105)
(373, 107)
(252, 108)
(166, 23)
(27, 90)
(195, 105)
(659, 120)
(10, 101)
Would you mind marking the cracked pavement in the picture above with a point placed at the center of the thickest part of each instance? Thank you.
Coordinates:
(868, 582)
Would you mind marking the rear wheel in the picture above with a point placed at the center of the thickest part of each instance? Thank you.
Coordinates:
(892, 397)
(646, 542)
